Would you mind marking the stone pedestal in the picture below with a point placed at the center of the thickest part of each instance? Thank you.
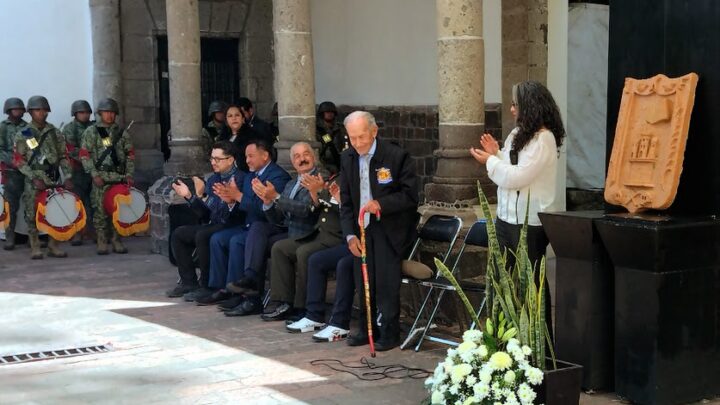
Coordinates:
(583, 295)
(461, 109)
(667, 306)
(294, 75)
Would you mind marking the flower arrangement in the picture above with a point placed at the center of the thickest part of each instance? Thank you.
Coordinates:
(486, 369)
(505, 363)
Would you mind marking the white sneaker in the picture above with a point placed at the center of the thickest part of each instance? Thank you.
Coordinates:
(331, 334)
(304, 325)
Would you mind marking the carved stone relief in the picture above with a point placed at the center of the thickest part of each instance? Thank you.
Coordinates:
(649, 147)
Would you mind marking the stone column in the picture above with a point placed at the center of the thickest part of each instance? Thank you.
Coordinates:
(294, 75)
(183, 31)
(107, 66)
(461, 106)
(188, 158)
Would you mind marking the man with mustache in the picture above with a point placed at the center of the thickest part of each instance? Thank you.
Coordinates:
(297, 207)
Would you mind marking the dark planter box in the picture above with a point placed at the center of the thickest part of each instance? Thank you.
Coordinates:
(583, 297)
(561, 386)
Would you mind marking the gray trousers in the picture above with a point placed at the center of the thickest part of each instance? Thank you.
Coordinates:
(289, 260)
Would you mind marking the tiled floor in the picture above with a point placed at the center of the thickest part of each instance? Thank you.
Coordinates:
(165, 350)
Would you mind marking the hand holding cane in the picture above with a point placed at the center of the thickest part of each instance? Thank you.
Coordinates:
(366, 280)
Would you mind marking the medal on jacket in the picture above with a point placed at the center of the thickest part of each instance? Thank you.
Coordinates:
(327, 138)
(107, 142)
(32, 143)
(384, 176)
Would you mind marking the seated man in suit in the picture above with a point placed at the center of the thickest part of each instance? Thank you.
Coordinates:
(297, 206)
(332, 255)
(228, 253)
(214, 213)
(378, 177)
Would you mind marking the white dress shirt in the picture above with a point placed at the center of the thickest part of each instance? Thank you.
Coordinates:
(534, 173)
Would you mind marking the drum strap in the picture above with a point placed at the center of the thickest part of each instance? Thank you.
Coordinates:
(109, 151)
(37, 150)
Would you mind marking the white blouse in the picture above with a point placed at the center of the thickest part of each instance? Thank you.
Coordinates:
(534, 173)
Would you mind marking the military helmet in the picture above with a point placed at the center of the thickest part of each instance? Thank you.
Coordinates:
(216, 106)
(327, 106)
(80, 106)
(108, 104)
(38, 103)
(13, 103)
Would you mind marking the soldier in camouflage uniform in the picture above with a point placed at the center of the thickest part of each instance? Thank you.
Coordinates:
(72, 132)
(41, 155)
(216, 112)
(332, 136)
(13, 180)
(107, 168)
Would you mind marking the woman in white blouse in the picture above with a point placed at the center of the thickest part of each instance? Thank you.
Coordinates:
(525, 167)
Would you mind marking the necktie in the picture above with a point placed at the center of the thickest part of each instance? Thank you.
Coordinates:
(295, 189)
(365, 195)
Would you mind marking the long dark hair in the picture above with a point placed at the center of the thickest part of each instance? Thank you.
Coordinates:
(536, 109)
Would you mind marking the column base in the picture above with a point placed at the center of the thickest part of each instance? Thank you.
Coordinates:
(161, 196)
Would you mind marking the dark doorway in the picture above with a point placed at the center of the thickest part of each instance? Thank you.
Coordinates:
(219, 78)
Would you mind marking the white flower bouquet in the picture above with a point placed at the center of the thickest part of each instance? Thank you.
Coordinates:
(495, 367)
(486, 369)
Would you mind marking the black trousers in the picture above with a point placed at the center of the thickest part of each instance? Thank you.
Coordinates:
(186, 239)
(321, 263)
(385, 276)
(509, 237)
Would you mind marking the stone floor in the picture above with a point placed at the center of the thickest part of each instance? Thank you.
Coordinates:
(167, 351)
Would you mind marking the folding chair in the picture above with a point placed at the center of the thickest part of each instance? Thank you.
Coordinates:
(476, 236)
(438, 228)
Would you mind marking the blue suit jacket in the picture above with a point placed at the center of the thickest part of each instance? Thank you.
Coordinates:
(251, 205)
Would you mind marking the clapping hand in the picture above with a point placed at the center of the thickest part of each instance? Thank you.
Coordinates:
(489, 147)
(334, 190)
(199, 185)
(313, 184)
(181, 189)
(266, 192)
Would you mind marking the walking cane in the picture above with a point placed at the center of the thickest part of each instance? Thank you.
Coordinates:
(366, 279)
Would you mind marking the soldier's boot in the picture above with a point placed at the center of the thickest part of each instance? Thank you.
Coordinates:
(35, 252)
(54, 249)
(76, 239)
(117, 245)
(9, 239)
(102, 243)
(43, 242)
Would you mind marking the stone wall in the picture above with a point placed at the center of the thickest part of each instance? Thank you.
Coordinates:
(415, 128)
(142, 21)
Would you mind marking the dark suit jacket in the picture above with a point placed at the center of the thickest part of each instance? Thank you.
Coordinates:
(297, 213)
(396, 191)
(251, 205)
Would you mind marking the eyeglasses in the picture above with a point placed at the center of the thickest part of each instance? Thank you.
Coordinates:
(218, 159)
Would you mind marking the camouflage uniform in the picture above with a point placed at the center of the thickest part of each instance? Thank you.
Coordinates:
(333, 138)
(212, 130)
(49, 161)
(95, 140)
(210, 135)
(82, 182)
(13, 180)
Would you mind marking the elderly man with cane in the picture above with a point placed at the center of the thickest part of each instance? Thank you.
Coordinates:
(377, 176)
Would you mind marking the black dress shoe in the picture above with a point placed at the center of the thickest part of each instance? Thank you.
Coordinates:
(200, 292)
(232, 302)
(180, 290)
(214, 298)
(359, 339)
(387, 343)
(243, 286)
(281, 312)
(247, 307)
